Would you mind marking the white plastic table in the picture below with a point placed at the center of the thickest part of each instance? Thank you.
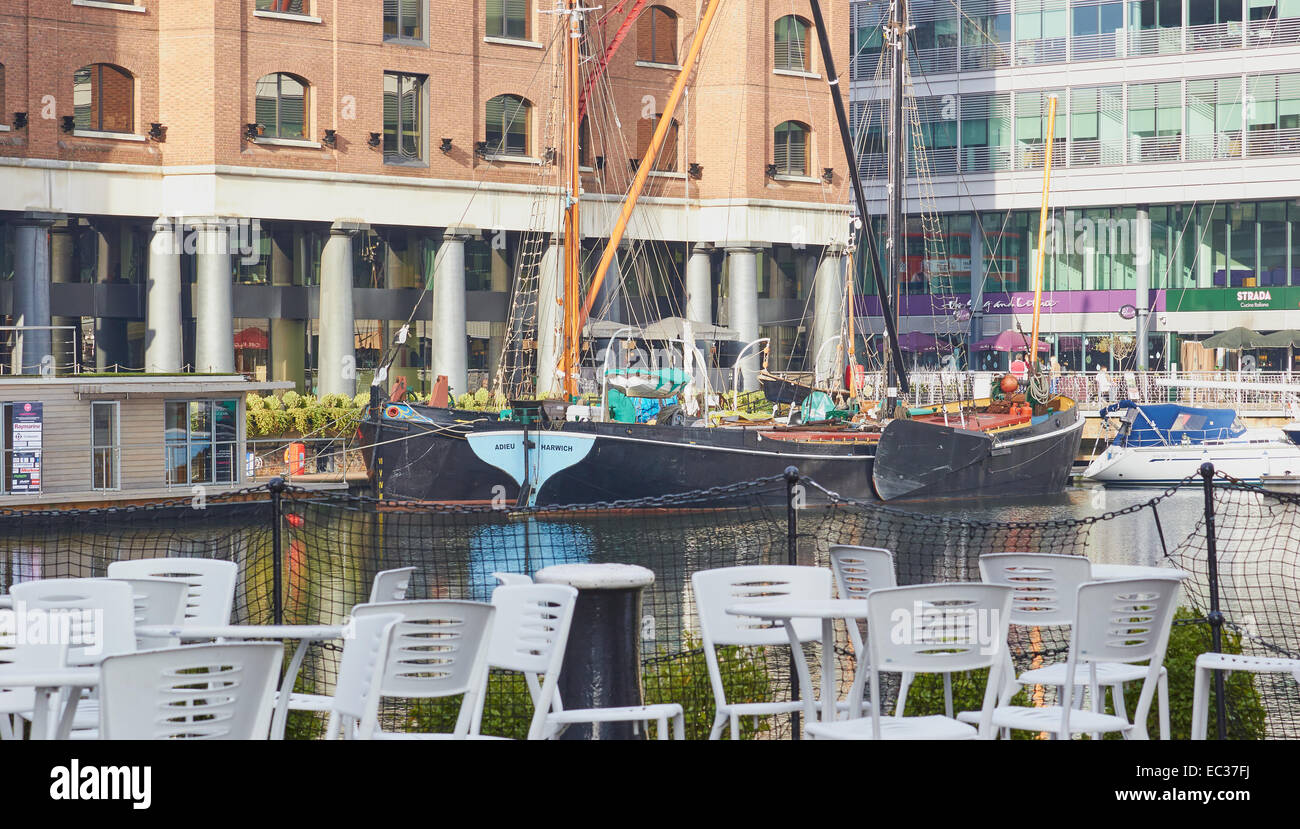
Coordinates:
(828, 610)
(304, 634)
(1108, 572)
(47, 682)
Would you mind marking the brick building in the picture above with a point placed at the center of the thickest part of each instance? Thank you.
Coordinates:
(269, 186)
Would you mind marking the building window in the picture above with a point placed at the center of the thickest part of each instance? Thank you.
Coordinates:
(656, 36)
(507, 125)
(507, 18)
(282, 106)
(666, 162)
(200, 441)
(1155, 122)
(1095, 30)
(283, 6)
(103, 99)
(4, 111)
(403, 118)
(105, 444)
(792, 44)
(403, 19)
(792, 149)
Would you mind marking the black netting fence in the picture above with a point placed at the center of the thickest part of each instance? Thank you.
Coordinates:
(331, 545)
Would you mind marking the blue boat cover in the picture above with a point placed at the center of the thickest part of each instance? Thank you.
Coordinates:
(1158, 424)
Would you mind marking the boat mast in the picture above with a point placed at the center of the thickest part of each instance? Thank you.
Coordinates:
(859, 194)
(1042, 226)
(897, 159)
(647, 162)
(572, 225)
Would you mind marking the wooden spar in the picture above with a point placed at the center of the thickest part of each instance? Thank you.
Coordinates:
(1042, 227)
(848, 305)
(647, 162)
(572, 224)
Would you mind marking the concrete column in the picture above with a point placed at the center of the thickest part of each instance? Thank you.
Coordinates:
(978, 273)
(742, 307)
(1142, 283)
(288, 336)
(450, 339)
(163, 341)
(111, 351)
(1204, 241)
(336, 370)
(65, 344)
(828, 313)
(31, 292)
(214, 321)
(550, 319)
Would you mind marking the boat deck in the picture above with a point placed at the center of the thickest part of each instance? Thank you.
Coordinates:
(981, 422)
(837, 436)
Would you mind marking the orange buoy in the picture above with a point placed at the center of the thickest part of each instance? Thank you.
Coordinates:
(1009, 384)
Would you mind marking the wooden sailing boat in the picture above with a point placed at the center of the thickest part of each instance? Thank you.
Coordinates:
(543, 455)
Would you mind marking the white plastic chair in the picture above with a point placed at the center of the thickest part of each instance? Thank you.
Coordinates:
(930, 628)
(858, 571)
(100, 614)
(716, 590)
(354, 708)
(1125, 620)
(211, 583)
(1206, 663)
(157, 602)
(512, 579)
(1046, 586)
(439, 650)
(391, 585)
(529, 635)
(16, 655)
(208, 692)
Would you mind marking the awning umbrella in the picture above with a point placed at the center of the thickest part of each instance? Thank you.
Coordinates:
(252, 337)
(1235, 339)
(1007, 341)
(916, 342)
(1290, 338)
(668, 328)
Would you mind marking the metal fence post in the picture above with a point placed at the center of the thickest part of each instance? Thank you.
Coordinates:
(276, 486)
(792, 558)
(1216, 617)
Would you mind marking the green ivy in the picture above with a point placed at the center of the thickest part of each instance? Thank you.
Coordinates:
(684, 678)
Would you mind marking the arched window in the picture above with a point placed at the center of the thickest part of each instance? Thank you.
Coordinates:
(656, 36)
(282, 106)
(792, 149)
(507, 125)
(792, 44)
(103, 99)
(666, 162)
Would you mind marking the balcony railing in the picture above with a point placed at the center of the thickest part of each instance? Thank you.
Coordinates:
(1044, 50)
(1214, 36)
(1102, 46)
(1264, 34)
(1214, 145)
(1273, 142)
(1167, 41)
(1031, 155)
(985, 56)
(935, 61)
(985, 159)
(1148, 149)
(1090, 152)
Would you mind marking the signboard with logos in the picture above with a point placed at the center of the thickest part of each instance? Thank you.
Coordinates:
(25, 471)
(1273, 298)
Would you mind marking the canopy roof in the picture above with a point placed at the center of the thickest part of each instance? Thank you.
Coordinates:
(1236, 338)
(1007, 341)
(918, 342)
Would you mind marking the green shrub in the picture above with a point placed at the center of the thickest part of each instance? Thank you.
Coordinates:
(273, 403)
(683, 678)
(291, 399)
(362, 400)
(507, 710)
(481, 398)
(255, 403)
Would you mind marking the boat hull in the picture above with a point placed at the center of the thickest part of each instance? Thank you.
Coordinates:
(1152, 465)
(921, 460)
(434, 462)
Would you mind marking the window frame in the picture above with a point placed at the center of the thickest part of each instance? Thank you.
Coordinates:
(806, 29)
(650, 53)
(306, 133)
(806, 132)
(421, 22)
(504, 32)
(114, 447)
(305, 5)
(97, 101)
(420, 120)
(502, 148)
(211, 442)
